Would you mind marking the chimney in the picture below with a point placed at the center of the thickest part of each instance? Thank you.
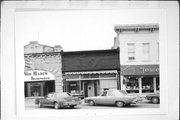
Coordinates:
(57, 48)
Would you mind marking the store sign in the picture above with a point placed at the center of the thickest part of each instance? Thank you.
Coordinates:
(149, 70)
(38, 75)
(140, 69)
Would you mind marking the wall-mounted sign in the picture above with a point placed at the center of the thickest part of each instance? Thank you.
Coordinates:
(140, 70)
(149, 70)
(38, 75)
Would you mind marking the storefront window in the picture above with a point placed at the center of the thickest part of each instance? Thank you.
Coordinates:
(73, 87)
(132, 85)
(36, 89)
(147, 84)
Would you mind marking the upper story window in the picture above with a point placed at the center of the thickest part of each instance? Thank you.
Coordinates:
(131, 51)
(146, 51)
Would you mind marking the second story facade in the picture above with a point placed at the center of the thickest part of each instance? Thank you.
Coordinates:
(139, 44)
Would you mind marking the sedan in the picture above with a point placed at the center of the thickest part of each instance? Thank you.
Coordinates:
(119, 98)
(58, 100)
(154, 98)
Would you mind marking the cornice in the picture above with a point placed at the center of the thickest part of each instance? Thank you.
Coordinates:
(136, 27)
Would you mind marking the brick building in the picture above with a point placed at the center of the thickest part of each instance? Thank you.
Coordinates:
(43, 69)
(86, 73)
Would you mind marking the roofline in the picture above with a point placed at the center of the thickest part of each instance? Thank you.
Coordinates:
(90, 51)
(46, 53)
(136, 27)
(90, 70)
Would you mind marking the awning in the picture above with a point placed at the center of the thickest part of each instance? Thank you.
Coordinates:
(92, 72)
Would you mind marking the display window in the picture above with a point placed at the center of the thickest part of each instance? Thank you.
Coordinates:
(132, 85)
(73, 87)
(147, 85)
(37, 89)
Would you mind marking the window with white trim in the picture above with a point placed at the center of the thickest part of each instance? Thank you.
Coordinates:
(131, 51)
(146, 51)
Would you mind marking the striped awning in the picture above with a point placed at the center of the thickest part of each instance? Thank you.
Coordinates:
(92, 72)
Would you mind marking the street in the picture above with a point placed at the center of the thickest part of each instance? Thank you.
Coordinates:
(29, 105)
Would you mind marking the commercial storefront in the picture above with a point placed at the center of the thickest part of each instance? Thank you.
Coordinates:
(86, 73)
(90, 83)
(140, 78)
(43, 70)
(38, 83)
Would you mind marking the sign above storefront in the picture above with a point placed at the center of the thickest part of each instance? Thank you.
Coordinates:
(38, 75)
(140, 69)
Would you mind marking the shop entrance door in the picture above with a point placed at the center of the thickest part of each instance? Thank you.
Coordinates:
(90, 88)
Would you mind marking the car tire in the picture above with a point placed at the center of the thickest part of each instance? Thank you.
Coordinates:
(91, 103)
(56, 105)
(155, 100)
(71, 106)
(119, 104)
(40, 104)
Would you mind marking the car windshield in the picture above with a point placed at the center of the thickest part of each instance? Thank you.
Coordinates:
(63, 95)
(104, 93)
(48, 95)
(123, 92)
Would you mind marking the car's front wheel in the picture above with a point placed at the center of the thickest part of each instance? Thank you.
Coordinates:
(155, 100)
(91, 103)
(56, 105)
(119, 104)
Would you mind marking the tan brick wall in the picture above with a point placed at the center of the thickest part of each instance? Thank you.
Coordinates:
(50, 62)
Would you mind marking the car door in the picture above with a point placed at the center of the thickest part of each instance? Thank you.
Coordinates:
(49, 100)
(109, 98)
(101, 99)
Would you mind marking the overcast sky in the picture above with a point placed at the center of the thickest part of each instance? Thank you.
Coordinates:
(77, 30)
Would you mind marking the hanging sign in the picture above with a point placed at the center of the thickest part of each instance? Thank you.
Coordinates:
(38, 75)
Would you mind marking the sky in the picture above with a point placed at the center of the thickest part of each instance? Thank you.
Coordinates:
(77, 30)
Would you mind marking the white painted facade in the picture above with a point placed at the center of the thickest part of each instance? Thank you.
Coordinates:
(139, 49)
(123, 38)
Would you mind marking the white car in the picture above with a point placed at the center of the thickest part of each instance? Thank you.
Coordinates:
(119, 98)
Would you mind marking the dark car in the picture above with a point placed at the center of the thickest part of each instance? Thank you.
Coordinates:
(119, 98)
(58, 100)
(154, 98)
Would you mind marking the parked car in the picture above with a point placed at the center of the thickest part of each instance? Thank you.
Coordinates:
(58, 100)
(154, 98)
(119, 98)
